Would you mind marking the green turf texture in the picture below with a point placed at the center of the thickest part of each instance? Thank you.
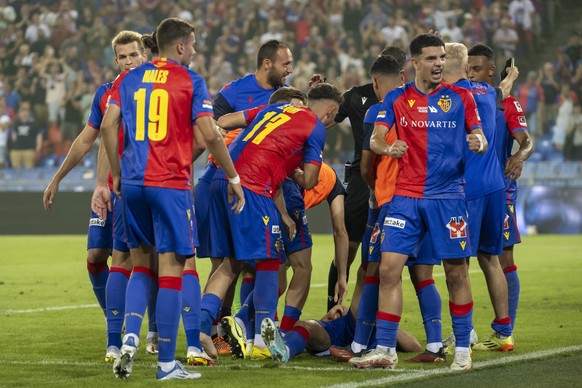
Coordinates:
(66, 348)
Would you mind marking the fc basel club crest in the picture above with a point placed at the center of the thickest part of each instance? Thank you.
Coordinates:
(458, 227)
(445, 103)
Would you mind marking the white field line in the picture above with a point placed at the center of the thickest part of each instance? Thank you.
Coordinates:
(397, 375)
(45, 309)
(421, 374)
(404, 277)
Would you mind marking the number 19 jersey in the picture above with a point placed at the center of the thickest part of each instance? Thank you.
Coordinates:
(159, 102)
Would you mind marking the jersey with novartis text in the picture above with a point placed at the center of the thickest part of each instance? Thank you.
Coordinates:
(159, 102)
(509, 121)
(483, 175)
(279, 139)
(241, 94)
(434, 126)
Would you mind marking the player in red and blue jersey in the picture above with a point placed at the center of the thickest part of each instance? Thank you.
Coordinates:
(280, 139)
(484, 192)
(511, 125)
(106, 235)
(156, 187)
(434, 122)
(274, 63)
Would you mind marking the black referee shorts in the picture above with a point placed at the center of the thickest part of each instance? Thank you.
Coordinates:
(356, 206)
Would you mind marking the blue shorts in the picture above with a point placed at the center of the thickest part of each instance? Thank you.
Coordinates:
(409, 219)
(100, 233)
(425, 255)
(202, 211)
(221, 244)
(256, 231)
(119, 238)
(373, 235)
(510, 231)
(160, 217)
(341, 331)
(302, 238)
(486, 216)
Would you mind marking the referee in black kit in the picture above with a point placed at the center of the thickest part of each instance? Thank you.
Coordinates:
(357, 100)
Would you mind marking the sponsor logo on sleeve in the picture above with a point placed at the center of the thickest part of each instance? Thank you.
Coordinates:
(381, 115)
(206, 104)
(517, 106)
(394, 222)
(522, 121)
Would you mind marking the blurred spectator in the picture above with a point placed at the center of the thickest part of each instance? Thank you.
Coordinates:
(451, 32)
(393, 32)
(55, 91)
(506, 38)
(564, 117)
(531, 97)
(574, 48)
(522, 13)
(26, 139)
(551, 89)
(36, 29)
(573, 141)
(4, 129)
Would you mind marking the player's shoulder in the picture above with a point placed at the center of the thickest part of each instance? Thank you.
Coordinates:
(247, 81)
(372, 112)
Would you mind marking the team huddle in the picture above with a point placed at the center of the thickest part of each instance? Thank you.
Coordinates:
(436, 185)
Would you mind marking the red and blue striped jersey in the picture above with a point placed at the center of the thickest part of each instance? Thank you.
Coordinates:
(278, 140)
(510, 120)
(159, 101)
(434, 126)
(483, 175)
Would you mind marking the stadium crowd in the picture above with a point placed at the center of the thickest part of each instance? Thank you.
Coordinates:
(54, 54)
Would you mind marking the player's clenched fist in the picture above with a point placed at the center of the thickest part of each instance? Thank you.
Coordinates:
(397, 149)
(477, 143)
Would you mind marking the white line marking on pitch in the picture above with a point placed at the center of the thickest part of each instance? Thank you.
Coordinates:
(417, 374)
(44, 309)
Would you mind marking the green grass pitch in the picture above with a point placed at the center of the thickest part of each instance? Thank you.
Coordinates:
(51, 333)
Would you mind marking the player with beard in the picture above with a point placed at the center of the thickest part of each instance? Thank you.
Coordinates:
(274, 60)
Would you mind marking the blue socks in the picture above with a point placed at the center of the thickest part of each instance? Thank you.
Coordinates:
(98, 274)
(209, 309)
(387, 329)
(267, 281)
(115, 295)
(168, 309)
(462, 319)
(512, 291)
(136, 301)
(191, 307)
(430, 304)
(366, 318)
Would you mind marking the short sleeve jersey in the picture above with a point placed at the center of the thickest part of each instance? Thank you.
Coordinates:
(159, 101)
(357, 101)
(386, 167)
(483, 174)
(239, 95)
(98, 108)
(278, 140)
(509, 121)
(434, 126)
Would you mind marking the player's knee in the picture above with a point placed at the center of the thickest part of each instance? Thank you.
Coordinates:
(97, 255)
